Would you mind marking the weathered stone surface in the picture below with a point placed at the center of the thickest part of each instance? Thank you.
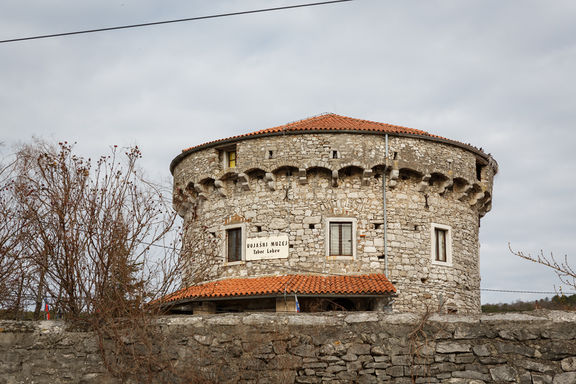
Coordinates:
(482, 350)
(361, 317)
(401, 360)
(569, 364)
(452, 346)
(471, 375)
(304, 350)
(535, 366)
(515, 348)
(359, 349)
(503, 373)
(395, 371)
(565, 378)
(541, 379)
(269, 348)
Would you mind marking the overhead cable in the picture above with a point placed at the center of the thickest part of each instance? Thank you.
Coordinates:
(171, 21)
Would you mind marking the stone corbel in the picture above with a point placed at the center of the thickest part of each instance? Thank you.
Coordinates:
(366, 176)
(443, 185)
(461, 193)
(423, 185)
(243, 180)
(394, 175)
(220, 187)
(334, 178)
(270, 181)
(486, 207)
(199, 190)
(475, 197)
(302, 176)
(182, 208)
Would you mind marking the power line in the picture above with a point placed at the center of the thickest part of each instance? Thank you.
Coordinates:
(171, 21)
(520, 291)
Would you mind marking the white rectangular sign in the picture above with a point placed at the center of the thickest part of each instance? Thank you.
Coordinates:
(259, 248)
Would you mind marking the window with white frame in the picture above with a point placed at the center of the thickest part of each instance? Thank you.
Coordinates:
(234, 243)
(441, 247)
(341, 237)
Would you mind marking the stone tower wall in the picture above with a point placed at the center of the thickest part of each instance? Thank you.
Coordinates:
(293, 184)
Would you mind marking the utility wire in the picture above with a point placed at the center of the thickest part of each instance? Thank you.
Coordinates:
(171, 21)
(519, 291)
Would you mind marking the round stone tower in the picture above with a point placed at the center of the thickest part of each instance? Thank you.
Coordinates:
(337, 196)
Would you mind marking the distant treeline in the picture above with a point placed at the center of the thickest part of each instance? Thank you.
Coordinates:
(557, 302)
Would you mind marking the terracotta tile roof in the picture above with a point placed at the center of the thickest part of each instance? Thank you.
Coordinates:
(278, 285)
(328, 122)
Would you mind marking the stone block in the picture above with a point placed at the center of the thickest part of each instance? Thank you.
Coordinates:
(362, 317)
(464, 358)
(354, 366)
(395, 371)
(569, 364)
(482, 350)
(401, 360)
(503, 373)
(471, 375)
(535, 366)
(541, 379)
(349, 357)
(336, 368)
(359, 349)
(565, 378)
(514, 348)
(304, 350)
(452, 347)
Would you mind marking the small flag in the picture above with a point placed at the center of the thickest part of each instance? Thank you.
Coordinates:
(297, 303)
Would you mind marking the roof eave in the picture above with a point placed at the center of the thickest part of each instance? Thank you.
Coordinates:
(276, 295)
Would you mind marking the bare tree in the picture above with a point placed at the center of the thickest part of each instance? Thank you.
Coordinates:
(90, 228)
(12, 271)
(562, 268)
(99, 241)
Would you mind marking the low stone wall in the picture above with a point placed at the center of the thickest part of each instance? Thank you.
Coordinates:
(361, 347)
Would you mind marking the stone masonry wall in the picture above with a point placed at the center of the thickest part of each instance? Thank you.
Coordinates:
(361, 347)
(298, 187)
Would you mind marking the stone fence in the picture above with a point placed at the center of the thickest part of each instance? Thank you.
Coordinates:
(353, 347)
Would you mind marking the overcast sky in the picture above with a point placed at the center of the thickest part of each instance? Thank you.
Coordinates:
(500, 75)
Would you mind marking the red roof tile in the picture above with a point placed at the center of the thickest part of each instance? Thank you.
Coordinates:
(329, 122)
(290, 284)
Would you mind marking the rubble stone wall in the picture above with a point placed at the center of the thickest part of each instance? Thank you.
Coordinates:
(294, 184)
(362, 347)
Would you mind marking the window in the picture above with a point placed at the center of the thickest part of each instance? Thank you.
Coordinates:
(231, 159)
(441, 249)
(341, 238)
(440, 239)
(234, 244)
(228, 156)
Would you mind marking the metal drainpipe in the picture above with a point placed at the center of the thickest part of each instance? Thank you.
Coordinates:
(385, 223)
